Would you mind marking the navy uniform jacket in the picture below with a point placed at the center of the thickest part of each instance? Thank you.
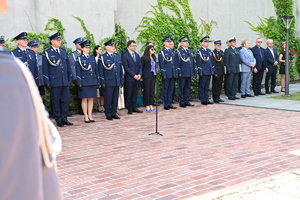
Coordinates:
(29, 59)
(56, 70)
(131, 68)
(232, 60)
(219, 62)
(72, 60)
(39, 60)
(110, 70)
(166, 59)
(87, 71)
(185, 62)
(205, 61)
(270, 59)
(260, 61)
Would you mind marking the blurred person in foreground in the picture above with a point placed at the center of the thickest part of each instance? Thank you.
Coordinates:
(25, 169)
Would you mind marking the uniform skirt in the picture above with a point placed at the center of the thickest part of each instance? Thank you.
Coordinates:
(88, 92)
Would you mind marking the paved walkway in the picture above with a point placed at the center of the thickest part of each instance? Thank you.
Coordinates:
(263, 101)
(204, 151)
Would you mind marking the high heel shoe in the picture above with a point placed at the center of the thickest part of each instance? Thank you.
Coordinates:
(86, 121)
(91, 120)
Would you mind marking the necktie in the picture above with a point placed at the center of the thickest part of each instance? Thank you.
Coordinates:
(133, 56)
(57, 51)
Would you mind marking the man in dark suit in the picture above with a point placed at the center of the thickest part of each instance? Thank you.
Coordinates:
(186, 70)
(217, 81)
(232, 63)
(111, 78)
(168, 72)
(258, 71)
(133, 73)
(57, 77)
(27, 56)
(272, 60)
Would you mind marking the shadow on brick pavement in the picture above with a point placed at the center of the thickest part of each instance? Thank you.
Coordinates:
(204, 149)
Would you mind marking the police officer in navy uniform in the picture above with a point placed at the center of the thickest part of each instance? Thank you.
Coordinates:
(206, 69)
(166, 60)
(27, 56)
(186, 70)
(2, 41)
(232, 63)
(72, 59)
(218, 56)
(133, 73)
(111, 77)
(87, 80)
(34, 46)
(57, 77)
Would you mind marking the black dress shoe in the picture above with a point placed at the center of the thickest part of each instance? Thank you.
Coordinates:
(87, 121)
(231, 98)
(209, 102)
(274, 91)
(268, 92)
(109, 118)
(189, 104)
(67, 123)
(256, 94)
(249, 95)
(182, 105)
(60, 124)
(166, 108)
(129, 111)
(115, 117)
(243, 96)
(204, 103)
(172, 107)
(221, 100)
(70, 115)
(137, 110)
(237, 97)
(260, 93)
(91, 120)
(216, 101)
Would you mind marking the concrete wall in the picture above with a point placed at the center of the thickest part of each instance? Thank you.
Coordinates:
(101, 15)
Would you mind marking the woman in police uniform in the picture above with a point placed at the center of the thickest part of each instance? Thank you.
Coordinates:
(87, 80)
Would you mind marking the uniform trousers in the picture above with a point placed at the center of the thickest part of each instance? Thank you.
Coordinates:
(257, 79)
(203, 86)
(168, 87)
(231, 84)
(245, 82)
(184, 89)
(271, 75)
(217, 87)
(149, 89)
(131, 92)
(60, 99)
(111, 95)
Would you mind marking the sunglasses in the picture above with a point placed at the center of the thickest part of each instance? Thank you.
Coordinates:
(152, 49)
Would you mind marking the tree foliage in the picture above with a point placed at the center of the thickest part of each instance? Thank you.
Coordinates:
(274, 28)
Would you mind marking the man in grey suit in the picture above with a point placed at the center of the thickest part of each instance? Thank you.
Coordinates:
(248, 62)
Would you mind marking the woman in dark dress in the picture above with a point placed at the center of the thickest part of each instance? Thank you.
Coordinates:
(282, 67)
(87, 80)
(149, 76)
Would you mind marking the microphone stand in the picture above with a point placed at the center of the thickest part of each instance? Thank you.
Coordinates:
(156, 113)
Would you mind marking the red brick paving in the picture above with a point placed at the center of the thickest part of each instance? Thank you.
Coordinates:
(204, 149)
